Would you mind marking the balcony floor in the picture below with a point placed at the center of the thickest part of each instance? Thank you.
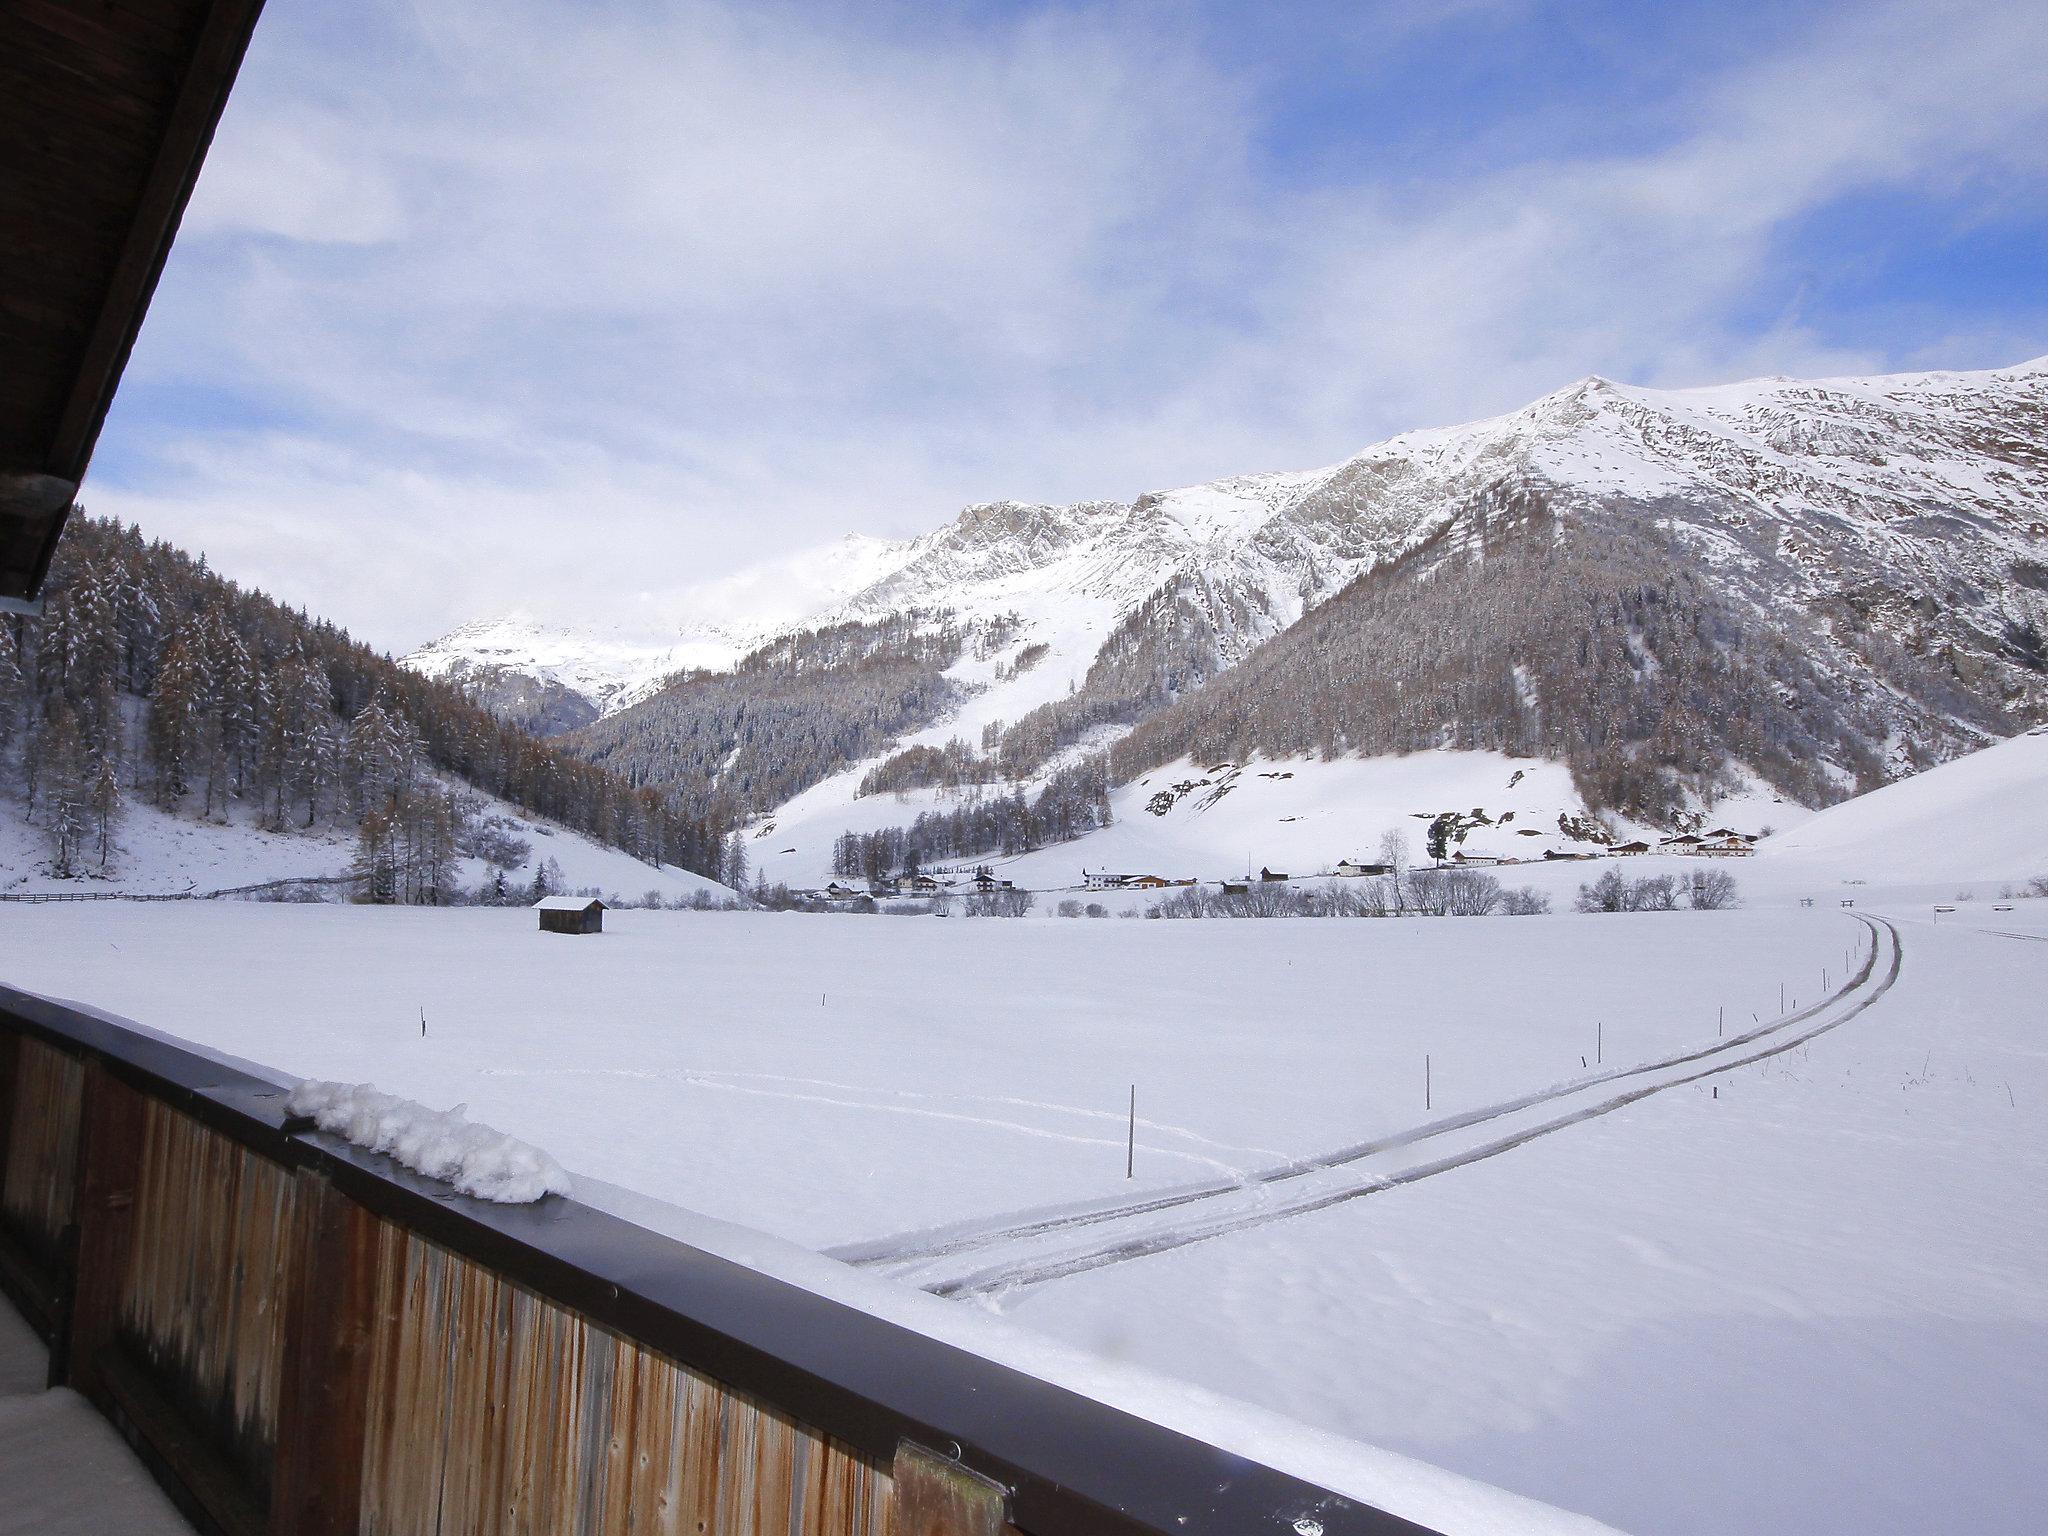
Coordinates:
(63, 1470)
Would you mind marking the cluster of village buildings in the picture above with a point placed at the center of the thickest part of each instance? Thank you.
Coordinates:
(1721, 843)
(923, 883)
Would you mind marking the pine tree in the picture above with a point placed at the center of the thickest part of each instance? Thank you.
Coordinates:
(175, 720)
(375, 866)
(67, 792)
(13, 688)
(107, 805)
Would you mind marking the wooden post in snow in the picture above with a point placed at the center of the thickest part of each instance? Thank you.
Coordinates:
(1131, 1138)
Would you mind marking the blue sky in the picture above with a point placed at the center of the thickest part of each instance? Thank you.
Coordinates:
(486, 304)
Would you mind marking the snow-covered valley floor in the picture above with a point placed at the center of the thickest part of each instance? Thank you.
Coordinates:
(1808, 1294)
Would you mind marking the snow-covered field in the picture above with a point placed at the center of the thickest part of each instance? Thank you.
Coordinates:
(1692, 1222)
(1803, 1294)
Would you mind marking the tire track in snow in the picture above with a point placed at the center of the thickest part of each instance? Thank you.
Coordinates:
(915, 1249)
(1253, 1206)
(880, 1100)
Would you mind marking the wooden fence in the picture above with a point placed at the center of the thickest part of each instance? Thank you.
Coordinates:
(290, 883)
(301, 1337)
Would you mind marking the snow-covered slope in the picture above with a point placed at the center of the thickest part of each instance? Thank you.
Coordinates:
(159, 853)
(1901, 517)
(1983, 817)
(1946, 472)
(553, 674)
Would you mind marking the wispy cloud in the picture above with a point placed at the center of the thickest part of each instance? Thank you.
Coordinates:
(506, 304)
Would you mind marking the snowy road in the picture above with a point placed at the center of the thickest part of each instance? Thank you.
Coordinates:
(992, 1259)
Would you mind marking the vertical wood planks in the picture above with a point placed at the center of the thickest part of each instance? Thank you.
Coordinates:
(937, 1497)
(38, 1190)
(498, 1413)
(203, 1295)
(323, 1390)
(109, 1162)
(10, 1057)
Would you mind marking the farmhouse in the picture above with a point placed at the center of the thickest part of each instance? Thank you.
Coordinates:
(1267, 874)
(838, 890)
(1143, 882)
(1732, 846)
(1475, 857)
(1685, 842)
(1631, 848)
(985, 880)
(570, 914)
(1352, 868)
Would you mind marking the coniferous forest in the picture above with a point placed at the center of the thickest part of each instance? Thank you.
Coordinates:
(149, 676)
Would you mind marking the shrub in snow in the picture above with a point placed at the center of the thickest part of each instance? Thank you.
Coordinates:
(1470, 892)
(442, 1144)
(1711, 890)
(999, 903)
(1706, 890)
(1526, 902)
(493, 840)
(294, 891)
(1610, 893)
(1654, 893)
(1069, 908)
(1429, 892)
(1097, 909)
(2038, 886)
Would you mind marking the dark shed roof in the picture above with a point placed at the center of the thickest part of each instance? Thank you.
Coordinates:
(106, 110)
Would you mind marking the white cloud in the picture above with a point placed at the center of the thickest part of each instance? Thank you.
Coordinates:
(545, 306)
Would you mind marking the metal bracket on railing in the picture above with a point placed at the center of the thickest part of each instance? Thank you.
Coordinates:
(936, 1496)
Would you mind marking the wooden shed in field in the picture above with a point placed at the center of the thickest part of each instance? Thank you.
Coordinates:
(570, 914)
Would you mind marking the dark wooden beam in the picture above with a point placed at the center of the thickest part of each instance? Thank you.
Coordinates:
(202, 94)
(33, 510)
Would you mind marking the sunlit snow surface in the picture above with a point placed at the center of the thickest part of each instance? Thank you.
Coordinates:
(1806, 1294)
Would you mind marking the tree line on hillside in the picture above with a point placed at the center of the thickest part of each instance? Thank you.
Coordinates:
(1588, 641)
(150, 675)
(1074, 800)
(790, 714)
(1173, 641)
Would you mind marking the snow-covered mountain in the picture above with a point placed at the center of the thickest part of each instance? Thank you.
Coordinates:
(552, 675)
(1902, 520)
(1945, 472)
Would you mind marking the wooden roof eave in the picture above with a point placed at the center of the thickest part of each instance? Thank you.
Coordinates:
(39, 480)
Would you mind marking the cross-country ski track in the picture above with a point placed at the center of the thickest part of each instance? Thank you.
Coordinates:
(1006, 1254)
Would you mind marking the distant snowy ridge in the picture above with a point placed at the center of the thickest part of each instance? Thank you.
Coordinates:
(553, 675)
(1861, 458)
(1811, 585)
(443, 1144)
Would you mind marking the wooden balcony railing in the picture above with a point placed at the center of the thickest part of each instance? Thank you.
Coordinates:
(302, 1337)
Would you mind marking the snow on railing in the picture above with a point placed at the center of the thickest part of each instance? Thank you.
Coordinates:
(443, 1144)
